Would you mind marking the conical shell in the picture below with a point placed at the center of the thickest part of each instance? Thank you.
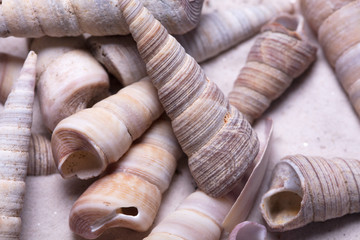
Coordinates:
(87, 141)
(69, 80)
(198, 217)
(130, 195)
(306, 189)
(216, 32)
(15, 124)
(59, 18)
(339, 36)
(41, 161)
(219, 142)
(281, 53)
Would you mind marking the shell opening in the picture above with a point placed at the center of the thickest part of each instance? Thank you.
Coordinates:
(283, 206)
(288, 22)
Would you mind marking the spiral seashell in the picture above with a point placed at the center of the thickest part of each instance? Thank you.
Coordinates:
(87, 141)
(130, 195)
(280, 54)
(199, 216)
(15, 124)
(216, 32)
(306, 189)
(69, 79)
(219, 142)
(339, 35)
(59, 18)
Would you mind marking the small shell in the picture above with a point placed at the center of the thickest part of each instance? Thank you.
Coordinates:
(249, 231)
(307, 189)
(15, 124)
(130, 195)
(87, 141)
(17, 47)
(267, 75)
(59, 18)
(69, 79)
(219, 142)
(198, 217)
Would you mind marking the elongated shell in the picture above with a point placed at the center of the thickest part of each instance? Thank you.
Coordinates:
(219, 142)
(339, 35)
(87, 141)
(199, 216)
(306, 189)
(69, 79)
(59, 18)
(281, 53)
(131, 194)
(216, 32)
(15, 124)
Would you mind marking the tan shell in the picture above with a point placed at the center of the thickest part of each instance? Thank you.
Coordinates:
(199, 216)
(59, 18)
(15, 124)
(219, 142)
(69, 78)
(339, 36)
(306, 189)
(130, 195)
(87, 141)
(281, 53)
(216, 32)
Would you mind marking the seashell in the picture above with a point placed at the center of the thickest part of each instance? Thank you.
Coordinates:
(17, 47)
(41, 161)
(219, 142)
(339, 36)
(199, 216)
(306, 189)
(267, 75)
(59, 18)
(69, 79)
(84, 143)
(15, 124)
(249, 231)
(130, 195)
(216, 32)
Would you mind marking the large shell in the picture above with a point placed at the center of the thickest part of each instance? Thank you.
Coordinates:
(216, 32)
(131, 194)
(339, 35)
(199, 216)
(15, 124)
(281, 53)
(219, 142)
(306, 189)
(87, 141)
(69, 78)
(58, 18)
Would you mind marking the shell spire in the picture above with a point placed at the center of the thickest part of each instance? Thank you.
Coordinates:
(220, 143)
(311, 189)
(266, 75)
(15, 132)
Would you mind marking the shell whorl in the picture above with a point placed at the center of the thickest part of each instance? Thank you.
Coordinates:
(219, 142)
(130, 195)
(59, 18)
(15, 125)
(267, 75)
(306, 189)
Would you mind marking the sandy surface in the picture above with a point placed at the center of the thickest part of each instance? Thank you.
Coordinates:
(313, 117)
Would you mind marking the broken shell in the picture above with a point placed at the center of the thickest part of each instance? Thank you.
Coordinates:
(87, 141)
(130, 195)
(199, 216)
(306, 189)
(63, 18)
(69, 79)
(267, 75)
(219, 142)
(15, 125)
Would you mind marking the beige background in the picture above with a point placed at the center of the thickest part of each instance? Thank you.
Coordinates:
(313, 117)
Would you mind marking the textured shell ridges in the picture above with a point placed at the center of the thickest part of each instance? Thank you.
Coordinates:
(219, 142)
